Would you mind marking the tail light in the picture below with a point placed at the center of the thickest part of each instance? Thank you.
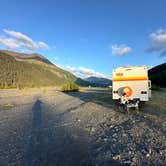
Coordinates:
(143, 92)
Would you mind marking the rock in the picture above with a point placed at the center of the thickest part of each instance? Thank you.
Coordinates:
(105, 139)
(132, 164)
(143, 151)
(124, 135)
(150, 151)
(99, 138)
(117, 157)
(147, 155)
(93, 129)
(114, 139)
(111, 126)
(114, 135)
(127, 162)
(114, 145)
(134, 159)
(87, 129)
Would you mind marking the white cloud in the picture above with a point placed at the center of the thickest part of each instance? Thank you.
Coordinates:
(158, 42)
(9, 43)
(150, 67)
(120, 49)
(56, 58)
(18, 40)
(84, 72)
(42, 45)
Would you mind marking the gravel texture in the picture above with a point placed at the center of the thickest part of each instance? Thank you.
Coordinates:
(49, 128)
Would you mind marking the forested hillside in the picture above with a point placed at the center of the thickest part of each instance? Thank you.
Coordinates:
(14, 73)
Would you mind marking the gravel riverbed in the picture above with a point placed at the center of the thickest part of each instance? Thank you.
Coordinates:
(49, 128)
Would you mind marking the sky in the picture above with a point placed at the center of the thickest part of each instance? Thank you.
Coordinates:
(87, 37)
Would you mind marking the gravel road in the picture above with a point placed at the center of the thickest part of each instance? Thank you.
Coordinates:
(50, 128)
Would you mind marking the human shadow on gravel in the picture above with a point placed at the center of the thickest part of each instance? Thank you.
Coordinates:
(36, 109)
(51, 143)
(34, 145)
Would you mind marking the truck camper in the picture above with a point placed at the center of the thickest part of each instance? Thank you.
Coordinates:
(132, 83)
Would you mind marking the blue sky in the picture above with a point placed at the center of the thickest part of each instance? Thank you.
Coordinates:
(87, 37)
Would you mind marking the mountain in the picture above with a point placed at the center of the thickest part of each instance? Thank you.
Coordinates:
(98, 81)
(30, 70)
(82, 82)
(34, 57)
(157, 75)
(85, 83)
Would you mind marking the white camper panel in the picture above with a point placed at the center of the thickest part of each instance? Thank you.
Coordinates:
(130, 71)
(136, 86)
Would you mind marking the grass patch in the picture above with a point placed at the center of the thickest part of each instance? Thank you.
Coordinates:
(156, 105)
(70, 87)
(45, 90)
(155, 87)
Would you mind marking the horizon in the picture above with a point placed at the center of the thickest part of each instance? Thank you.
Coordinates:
(87, 38)
(110, 78)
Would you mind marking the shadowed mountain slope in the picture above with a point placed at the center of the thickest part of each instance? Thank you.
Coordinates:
(101, 82)
(157, 75)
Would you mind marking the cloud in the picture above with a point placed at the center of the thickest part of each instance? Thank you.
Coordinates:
(158, 42)
(150, 67)
(18, 40)
(84, 72)
(120, 49)
(56, 58)
(9, 43)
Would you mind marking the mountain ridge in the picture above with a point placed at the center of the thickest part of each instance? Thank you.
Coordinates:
(99, 81)
(27, 57)
(157, 75)
(30, 70)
